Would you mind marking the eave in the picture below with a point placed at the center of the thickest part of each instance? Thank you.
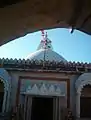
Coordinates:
(39, 66)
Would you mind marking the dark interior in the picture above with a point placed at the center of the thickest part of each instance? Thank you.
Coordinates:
(1, 100)
(42, 108)
(4, 3)
(1, 94)
(85, 107)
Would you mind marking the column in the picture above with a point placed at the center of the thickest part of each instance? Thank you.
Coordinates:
(25, 106)
(78, 105)
(59, 109)
(54, 108)
(29, 107)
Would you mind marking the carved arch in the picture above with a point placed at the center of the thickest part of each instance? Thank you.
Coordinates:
(83, 80)
(5, 78)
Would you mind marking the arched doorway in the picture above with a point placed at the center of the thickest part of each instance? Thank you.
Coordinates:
(1, 95)
(85, 102)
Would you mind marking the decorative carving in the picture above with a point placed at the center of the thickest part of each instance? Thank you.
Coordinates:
(44, 89)
(84, 79)
(52, 89)
(58, 90)
(34, 89)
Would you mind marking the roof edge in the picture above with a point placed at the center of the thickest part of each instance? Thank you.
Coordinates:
(38, 65)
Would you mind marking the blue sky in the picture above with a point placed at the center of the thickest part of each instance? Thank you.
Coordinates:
(73, 47)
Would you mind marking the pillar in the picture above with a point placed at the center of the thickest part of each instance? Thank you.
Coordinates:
(29, 108)
(78, 105)
(56, 109)
(59, 108)
(25, 106)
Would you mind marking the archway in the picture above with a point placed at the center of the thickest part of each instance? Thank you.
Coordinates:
(42, 108)
(85, 102)
(6, 81)
(1, 95)
(82, 83)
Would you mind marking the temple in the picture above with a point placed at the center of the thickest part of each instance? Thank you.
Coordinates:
(45, 85)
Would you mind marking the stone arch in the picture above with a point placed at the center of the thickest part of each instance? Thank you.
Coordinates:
(83, 80)
(5, 78)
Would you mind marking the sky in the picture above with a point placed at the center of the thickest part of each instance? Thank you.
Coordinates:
(73, 47)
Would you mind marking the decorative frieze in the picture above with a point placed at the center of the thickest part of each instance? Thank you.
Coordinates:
(44, 88)
(35, 64)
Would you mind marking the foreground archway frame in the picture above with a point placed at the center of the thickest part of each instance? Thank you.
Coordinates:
(83, 80)
(30, 16)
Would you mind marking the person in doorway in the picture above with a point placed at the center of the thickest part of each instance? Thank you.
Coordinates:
(69, 116)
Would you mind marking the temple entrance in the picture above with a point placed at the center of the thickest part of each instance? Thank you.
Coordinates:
(85, 102)
(42, 108)
(1, 94)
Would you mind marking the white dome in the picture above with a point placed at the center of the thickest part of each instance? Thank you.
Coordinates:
(46, 54)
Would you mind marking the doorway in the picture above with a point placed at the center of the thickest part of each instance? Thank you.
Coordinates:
(42, 108)
(85, 102)
(1, 94)
(85, 107)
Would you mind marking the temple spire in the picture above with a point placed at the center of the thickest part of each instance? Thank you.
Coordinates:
(45, 43)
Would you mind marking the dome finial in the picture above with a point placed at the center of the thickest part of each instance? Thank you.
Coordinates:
(43, 33)
(45, 42)
(46, 35)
